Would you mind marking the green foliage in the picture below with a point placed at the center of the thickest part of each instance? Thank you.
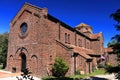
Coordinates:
(57, 78)
(59, 68)
(3, 48)
(78, 72)
(116, 46)
(116, 15)
(101, 66)
(110, 44)
(76, 77)
(96, 72)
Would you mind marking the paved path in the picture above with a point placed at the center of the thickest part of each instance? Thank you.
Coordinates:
(102, 77)
(107, 76)
(5, 75)
(14, 78)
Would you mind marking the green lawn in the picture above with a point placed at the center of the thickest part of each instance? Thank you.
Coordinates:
(95, 72)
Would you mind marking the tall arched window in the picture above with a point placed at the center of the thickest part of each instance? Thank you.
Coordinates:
(65, 37)
(79, 42)
(23, 28)
(68, 38)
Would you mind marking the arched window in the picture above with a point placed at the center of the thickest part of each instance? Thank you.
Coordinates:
(65, 37)
(68, 38)
(79, 42)
(23, 28)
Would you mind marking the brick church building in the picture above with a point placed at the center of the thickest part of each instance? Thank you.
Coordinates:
(36, 38)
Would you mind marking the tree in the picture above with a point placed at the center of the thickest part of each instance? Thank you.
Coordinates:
(116, 45)
(3, 48)
(110, 44)
(59, 68)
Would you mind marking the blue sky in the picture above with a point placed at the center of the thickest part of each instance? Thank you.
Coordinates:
(95, 13)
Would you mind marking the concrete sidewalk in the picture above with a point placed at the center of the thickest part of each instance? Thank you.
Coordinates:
(106, 76)
(14, 78)
(5, 75)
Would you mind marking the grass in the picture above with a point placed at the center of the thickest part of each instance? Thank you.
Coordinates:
(78, 76)
(95, 72)
(56, 78)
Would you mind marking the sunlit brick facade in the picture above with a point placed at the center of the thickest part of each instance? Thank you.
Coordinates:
(36, 38)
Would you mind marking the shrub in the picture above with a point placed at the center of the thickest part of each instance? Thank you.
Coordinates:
(78, 72)
(57, 78)
(59, 68)
(101, 66)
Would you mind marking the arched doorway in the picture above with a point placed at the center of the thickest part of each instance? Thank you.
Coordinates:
(23, 61)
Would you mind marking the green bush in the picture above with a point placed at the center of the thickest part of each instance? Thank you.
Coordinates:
(59, 68)
(101, 66)
(78, 72)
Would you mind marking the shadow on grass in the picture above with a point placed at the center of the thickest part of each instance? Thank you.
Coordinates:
(96, 78)
(61, 78)
(67, 78)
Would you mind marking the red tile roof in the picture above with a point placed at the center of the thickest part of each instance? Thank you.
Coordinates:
(82, 53)
(80, 50)
(108, 49)
(94, 36)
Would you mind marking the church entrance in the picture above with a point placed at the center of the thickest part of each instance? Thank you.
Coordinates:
(23, 62)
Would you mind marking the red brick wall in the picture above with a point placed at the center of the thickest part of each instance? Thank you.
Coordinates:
(82, 64)
(39, 42)
(112, 59)
(64, 30)
(97, 45)
(66, 54)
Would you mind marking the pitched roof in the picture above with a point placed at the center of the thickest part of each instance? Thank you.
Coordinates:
(81, 52)
(87, 51)
(94, 36)
(108, 49)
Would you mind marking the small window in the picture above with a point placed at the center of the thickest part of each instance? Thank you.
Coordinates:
(65, 37)
(68, 38)
(88, 45)
(23, 29)
(79, 42)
